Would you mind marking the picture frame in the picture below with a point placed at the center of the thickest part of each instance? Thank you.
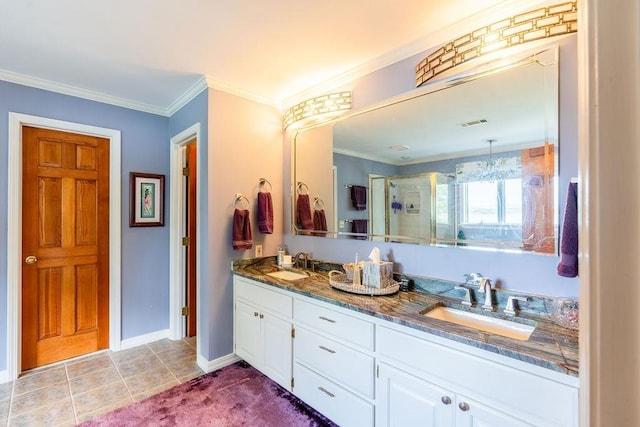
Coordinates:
(147, 200)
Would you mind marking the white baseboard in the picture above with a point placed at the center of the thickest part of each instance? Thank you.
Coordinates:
(221, 362)
(4, 376)
(144, 339)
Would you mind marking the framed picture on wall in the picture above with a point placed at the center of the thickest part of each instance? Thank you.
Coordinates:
(147, 200)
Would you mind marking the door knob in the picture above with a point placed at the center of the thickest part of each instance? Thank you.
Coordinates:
(31, 259)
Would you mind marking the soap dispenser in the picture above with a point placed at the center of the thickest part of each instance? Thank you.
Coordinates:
(282, 250)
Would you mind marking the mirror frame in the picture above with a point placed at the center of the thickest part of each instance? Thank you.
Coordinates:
(486, 68)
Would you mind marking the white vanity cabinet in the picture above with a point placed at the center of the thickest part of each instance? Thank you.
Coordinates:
(423, 380)
(334, 365)
(263, 328)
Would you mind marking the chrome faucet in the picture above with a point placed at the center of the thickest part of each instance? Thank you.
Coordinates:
(301, 260)
(510, 309)
(485, 286)
(467, 299)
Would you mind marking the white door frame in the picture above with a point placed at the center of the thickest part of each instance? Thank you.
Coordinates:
(14, 229)
(177, 297)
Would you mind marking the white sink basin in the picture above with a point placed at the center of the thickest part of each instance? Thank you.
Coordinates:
(288, 275)
(492, 325)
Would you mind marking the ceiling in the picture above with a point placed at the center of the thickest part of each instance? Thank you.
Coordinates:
(149, 53)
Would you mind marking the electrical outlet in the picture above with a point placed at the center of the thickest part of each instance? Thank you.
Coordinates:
(258, 251)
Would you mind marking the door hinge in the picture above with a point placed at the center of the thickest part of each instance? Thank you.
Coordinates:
(186, 241)
(293, 332)
(185, 171)
(292, 382)
(185, 311)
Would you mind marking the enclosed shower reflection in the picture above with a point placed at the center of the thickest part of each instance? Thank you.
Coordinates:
(412, 209)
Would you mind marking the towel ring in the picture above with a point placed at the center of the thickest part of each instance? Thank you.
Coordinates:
(318, 203)
(300, 188)
(262, 182)
(239, 198)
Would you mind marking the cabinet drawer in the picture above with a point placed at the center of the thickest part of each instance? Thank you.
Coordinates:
(337, 361)
(331, 400)
(356, 331)
(523, 394)
(270, 301)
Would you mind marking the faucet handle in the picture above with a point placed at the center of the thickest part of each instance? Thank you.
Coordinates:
(466, 300)
(510, 309)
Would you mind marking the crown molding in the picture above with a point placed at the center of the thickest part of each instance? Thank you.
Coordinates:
(427, 43)
(64, 89)
(234, 90)
(187, 96)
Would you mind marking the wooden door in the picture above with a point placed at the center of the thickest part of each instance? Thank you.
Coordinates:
(65, 245)
(191, 233)
(538, 169)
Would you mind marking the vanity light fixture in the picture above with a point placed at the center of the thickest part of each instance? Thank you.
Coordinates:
(318, 109)
(539, 24)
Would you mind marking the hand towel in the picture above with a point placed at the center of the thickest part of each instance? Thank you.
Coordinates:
(304, 212)
(360, 226)
(319, 223)
(568, 265)
(241, 232)
(359, 197)
(265, 213)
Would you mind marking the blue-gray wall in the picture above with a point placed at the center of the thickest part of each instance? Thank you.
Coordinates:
(515, 271)
(145, 271)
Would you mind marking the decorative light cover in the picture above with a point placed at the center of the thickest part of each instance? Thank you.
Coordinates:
(318, 109)
(537, 24)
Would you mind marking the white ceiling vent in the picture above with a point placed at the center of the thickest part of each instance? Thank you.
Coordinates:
(473, 123)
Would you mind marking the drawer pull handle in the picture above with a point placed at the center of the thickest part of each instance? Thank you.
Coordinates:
(446, 400)
(327, 319)
(261, 316)
(321, 347)
(255, 313)
(464, 406)
(327, 392)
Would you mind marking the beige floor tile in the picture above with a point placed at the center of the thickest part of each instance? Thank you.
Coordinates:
(104, 409)
(166, 345)
(89, 364)
(101, 397)
(4, 410)
(58, 413)
(130, 354)
(94, 379)
(146, 380)
(190, 376)
(41, 397)
(41, 379)
(177, 353)
(155, 390)
(183, 367)
(192, 341)
(137, 366)
(5, 390)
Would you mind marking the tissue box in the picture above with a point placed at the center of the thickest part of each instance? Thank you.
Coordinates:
(377, 274)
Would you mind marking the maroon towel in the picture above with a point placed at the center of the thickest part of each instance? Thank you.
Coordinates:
(319, 223)
(360, 226)
(304, 212)
(265, 213)
(359, 197)
(241, 233)
(568, 265)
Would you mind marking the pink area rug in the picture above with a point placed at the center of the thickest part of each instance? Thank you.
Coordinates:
(237, 395)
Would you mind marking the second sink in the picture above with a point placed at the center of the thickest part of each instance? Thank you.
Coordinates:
(492, 325)
(289, 275)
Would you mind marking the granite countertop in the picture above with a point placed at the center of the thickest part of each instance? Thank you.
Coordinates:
(550, 346)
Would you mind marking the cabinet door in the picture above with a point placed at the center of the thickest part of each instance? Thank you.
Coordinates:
(471, 413)
(277, 349)
(404, 400)
(247, 339)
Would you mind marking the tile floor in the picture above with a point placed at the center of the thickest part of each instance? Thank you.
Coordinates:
(74, 391)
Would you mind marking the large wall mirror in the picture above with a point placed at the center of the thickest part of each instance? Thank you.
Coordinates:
(469, 161)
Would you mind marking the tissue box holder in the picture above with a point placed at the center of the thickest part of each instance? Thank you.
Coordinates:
(377, 275)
